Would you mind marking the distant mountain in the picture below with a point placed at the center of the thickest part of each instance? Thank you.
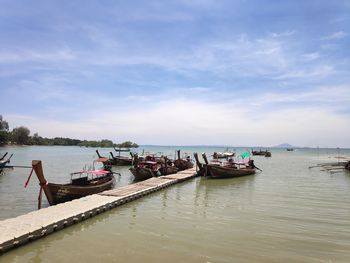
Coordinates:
(284, 145)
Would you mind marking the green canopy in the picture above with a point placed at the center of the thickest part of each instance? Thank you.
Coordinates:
(246, 154)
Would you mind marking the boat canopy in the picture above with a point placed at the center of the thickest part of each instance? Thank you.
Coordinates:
(95, 172)
(246, 154)
(102, 159)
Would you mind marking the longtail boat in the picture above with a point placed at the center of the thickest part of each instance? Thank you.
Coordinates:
(267, 154)
(82, 183)
(183, 164)
(105, 160)
(145, 169)
(3, 162)
(260, 152)
(3, 157)
(226, 170)
(347, 166)
(224, 155)
(167, 166)
(121, 160)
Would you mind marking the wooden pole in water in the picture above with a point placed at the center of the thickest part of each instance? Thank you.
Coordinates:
(178, 154)
(36, 164)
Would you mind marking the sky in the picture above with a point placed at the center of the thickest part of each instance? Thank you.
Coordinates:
(210, 72)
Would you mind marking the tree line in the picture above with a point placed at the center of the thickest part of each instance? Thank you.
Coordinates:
(21, 136)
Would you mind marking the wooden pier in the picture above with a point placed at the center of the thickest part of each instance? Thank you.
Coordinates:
(20, 230)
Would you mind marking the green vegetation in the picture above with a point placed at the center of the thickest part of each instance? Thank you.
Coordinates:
(21, 136)
(127, 144)
(4, 131)
(102, 143)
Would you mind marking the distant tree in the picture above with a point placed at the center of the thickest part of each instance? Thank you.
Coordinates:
(102, 143)
(106, 143)
(127, 144)
(37, 140)
(4, 137)
(20, 135)
(4, 126)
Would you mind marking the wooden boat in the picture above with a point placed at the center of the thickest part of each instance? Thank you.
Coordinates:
(145, 169)
(82, 184)
(224, 155)
(260, 152)
(228, 170)
(3, 162)
(167, 166)
(347, 166)
(183, 164)
(215, 171)
(290, 149)
(3, 157)
(267, 154)
(122, 160)
(105, 160)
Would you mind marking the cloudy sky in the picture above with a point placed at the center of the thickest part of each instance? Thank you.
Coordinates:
(183, 72)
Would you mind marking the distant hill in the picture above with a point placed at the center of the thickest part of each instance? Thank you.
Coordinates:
(284, 145)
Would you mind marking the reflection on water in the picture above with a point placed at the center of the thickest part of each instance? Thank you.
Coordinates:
(287, 213)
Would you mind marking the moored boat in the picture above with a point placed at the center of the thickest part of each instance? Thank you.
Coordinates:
(82, 183)
(105, 160)
(267, 154)
(260, 152)
(347, 166)
(3, 162)
(183, 164)
(145, 169)
(223, 155)
(226, 170)
(121, 160)
(167, 166)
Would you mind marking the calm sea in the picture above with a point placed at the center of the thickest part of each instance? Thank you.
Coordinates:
(287, 213)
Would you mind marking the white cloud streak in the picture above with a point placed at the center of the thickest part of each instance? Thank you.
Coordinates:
(336, 35)
(188, 122)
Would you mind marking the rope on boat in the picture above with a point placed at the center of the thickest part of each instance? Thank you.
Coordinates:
(30, 175)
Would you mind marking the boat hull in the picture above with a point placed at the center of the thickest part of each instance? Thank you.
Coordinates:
(66, 192)
(122, 161)
(182, 164)
(168, 170)
(142, 173)
(215, 171)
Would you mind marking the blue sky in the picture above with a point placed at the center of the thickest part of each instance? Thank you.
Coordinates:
(178, 72)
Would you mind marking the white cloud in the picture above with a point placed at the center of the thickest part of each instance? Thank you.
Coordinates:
(311, 56)
(336, 35)
(28, 55)
(283, 34)
(188, 122)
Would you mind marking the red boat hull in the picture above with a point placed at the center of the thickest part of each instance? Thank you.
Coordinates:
(214, 171)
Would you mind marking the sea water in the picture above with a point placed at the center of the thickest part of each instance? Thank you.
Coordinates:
(287, 213)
